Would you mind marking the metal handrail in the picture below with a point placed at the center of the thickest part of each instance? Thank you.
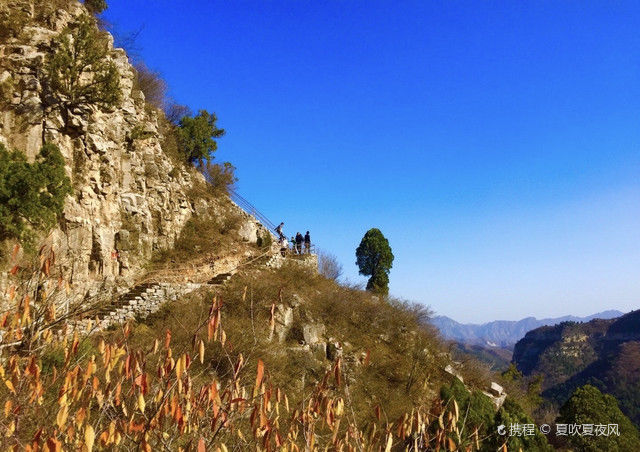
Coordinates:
(251, 209)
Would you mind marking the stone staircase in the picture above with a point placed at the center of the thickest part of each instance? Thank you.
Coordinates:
(220, 279)
(141, 301)
(147, 298)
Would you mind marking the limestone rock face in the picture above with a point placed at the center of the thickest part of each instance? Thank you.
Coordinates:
(313, 333)
(283, 321)
(129, 199)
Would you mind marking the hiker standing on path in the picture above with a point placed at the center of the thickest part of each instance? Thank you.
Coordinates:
(284, 246)
(299, 240)
(307, 243)
(293, 244)
(279, 231)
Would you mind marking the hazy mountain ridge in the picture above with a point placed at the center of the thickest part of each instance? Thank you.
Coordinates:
(504, 333)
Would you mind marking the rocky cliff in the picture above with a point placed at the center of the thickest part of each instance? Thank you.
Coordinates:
(605, 353)
(130, 199)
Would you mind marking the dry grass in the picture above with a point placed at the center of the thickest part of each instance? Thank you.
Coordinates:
(204, 371)
(200, 237)
(403, 368)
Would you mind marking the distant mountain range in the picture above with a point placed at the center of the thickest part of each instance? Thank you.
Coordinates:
(504, 333)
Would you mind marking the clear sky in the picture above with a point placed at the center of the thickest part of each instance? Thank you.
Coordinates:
(495, 144)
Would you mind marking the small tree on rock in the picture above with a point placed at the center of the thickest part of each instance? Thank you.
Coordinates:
(374, 258)
(80, 74)
(198, 136)
(31, 194)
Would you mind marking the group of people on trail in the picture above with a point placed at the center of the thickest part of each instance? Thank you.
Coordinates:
(297, 242)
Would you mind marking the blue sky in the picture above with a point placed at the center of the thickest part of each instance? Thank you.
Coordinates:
(495, 144)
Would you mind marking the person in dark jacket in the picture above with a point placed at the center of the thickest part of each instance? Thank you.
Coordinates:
(299, 240)
(279, 231)
(307, 243)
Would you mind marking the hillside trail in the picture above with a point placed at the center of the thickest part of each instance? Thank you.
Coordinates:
(156, 288)
(159, 286)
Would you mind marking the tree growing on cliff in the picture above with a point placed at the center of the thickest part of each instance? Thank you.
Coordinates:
(31, 194)
(80, 74)
(374, 259)
(198, 136)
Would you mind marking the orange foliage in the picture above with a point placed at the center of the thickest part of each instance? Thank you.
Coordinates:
(116, 399)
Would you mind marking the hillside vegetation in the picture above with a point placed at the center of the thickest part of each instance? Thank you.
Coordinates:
(277, 359)
(604, 353)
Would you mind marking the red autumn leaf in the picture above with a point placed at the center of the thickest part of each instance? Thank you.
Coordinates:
(141, 380)
(337, 372)
(259, 376)
(14, 254)
(54, 445)
(167, 339)
(76, 342)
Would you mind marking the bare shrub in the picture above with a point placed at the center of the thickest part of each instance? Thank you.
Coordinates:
(95, 7)
(169, 142)
(328, 265)
(152, 85)
(174, 112)
(220, 177)
(127, 41)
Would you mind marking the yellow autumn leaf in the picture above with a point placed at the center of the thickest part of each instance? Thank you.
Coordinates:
(11, 429)
(201, 352)
(61, 418)
(141, 404)
(10, 386)
(89, 437)
(389, 443)
(179, 367)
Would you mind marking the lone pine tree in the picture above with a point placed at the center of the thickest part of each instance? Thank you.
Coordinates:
(374, 258)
